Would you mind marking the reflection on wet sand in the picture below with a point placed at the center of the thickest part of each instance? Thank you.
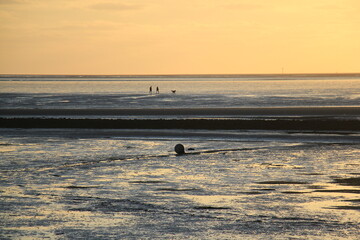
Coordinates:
(339, 194)
(130, 188)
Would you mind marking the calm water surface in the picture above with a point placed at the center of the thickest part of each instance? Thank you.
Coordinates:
(197, 91)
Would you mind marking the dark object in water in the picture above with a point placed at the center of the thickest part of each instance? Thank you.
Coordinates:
(173, 91)
(179, 149)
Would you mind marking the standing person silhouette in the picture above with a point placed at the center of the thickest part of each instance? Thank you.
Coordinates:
(150, 90)
(157, 90)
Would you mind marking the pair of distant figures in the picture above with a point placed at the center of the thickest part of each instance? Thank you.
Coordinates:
(158, 91)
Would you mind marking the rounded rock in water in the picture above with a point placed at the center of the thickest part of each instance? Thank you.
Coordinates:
(179, 149)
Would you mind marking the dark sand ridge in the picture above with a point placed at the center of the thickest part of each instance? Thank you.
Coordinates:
(275, 111)
(306, 124)
(293, 118)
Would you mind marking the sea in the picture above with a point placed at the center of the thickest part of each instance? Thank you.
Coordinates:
(130, 184)
(192, 91)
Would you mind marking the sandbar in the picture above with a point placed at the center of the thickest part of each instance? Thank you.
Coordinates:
(256, 111)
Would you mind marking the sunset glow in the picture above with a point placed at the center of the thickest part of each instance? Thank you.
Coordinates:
(179, 37)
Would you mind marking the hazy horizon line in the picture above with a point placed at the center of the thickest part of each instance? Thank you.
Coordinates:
(184, 74)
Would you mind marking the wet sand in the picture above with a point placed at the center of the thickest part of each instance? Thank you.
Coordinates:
(66, 184)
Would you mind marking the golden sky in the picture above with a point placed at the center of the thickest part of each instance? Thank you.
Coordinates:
(179, 36)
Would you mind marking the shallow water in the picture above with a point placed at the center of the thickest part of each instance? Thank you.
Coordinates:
(102, 184)
(192, 91)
